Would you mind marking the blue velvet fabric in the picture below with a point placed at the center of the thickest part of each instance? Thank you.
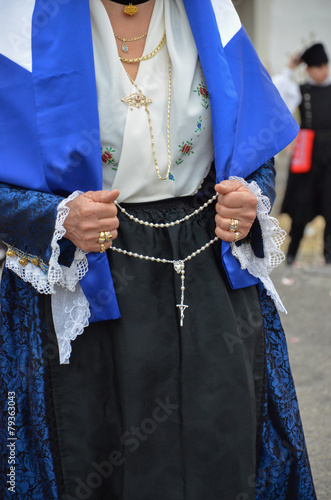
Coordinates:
(283, 470)
(265, 179)
(28, 219)
(22, 373)
(28, 222)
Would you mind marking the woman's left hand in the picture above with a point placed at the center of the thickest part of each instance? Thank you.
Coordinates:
(235, 202)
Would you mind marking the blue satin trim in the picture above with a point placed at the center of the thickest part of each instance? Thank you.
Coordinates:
(20, 162)
(222, 92)
(250, 120)
(65, 86)
(66, 104)
(238, 278)
(99, 290)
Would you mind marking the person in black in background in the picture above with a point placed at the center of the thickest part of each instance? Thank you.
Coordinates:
(309, 182)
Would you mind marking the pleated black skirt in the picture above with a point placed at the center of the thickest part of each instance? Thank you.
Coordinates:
(151, 410)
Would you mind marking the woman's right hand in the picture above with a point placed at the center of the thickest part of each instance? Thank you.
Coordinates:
(90, 214)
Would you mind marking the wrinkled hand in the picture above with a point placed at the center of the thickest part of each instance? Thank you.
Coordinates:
(90, 213)
(235, 201)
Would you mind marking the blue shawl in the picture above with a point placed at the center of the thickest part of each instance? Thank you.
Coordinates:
(51, 112)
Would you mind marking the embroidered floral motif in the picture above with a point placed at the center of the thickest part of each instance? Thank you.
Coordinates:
(107, 156)
(186, 149)
(171, 177)
(199, 125)
(202, 91)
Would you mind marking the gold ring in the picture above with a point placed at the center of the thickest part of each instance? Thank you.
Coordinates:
(102, 238)
(233, 226)
(108, 236)
(102, 249)
(236, 237)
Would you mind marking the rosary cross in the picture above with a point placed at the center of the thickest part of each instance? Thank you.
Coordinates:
(179, 266)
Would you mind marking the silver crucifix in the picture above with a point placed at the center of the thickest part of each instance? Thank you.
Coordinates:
(182, 308)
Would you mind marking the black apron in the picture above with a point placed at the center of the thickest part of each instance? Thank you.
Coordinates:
(150, 410)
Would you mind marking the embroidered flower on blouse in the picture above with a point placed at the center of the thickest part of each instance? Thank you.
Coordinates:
(171, 177)
(107, 156)
(202, 91)
(185, 149)
(199, 125)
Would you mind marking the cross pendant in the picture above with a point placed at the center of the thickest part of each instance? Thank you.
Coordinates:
(182, 308)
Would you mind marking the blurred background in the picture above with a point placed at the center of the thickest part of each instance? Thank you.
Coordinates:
(278, 29)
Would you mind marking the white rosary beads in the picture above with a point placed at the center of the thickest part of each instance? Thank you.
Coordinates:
(179, 266)
(168, 224)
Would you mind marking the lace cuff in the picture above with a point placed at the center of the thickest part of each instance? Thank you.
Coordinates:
(67, 277)
(70, 307)
(71, 313)
(273, 237)
(41, 276)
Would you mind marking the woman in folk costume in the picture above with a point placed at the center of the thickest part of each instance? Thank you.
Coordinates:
(142, 354)
(309, 182)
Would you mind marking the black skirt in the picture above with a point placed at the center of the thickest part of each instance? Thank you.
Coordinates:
(151, 410)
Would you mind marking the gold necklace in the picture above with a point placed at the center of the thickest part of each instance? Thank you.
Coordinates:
(148, 56)
(130, 9)
(139, 99)
(125, 48)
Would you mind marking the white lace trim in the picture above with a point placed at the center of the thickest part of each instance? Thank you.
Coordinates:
(71, 313)
(273, 237)
(67, 277)
(69, 304)
(29, 274)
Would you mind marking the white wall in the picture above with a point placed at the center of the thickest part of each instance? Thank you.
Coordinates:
(283, 27)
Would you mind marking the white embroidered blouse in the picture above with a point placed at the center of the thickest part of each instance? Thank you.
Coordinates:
(127, 157)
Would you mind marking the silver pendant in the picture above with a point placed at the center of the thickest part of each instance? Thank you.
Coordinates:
(179, 266)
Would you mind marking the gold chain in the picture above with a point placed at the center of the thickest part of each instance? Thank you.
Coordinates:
(125, 48)
(151, 128)
(131, 39)
(148, 56)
